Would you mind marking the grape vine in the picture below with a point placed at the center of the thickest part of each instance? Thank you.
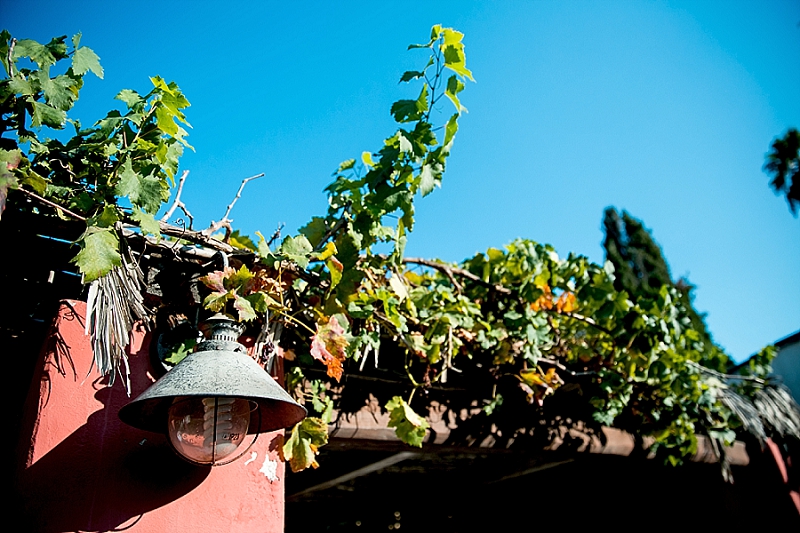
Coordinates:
(518, 328)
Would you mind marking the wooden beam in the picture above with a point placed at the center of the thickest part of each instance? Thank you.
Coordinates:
(363, 471)
(368, 428)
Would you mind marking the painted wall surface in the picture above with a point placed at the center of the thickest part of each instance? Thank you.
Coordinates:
(82, 469)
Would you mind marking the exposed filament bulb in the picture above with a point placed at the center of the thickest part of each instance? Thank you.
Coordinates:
(219, 433)
(207, 430)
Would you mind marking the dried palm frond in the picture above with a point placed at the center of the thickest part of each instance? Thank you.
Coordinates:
(746, 412)
(778, 410)
(114, 305)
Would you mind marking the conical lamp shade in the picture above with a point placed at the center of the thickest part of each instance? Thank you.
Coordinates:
(221, 369)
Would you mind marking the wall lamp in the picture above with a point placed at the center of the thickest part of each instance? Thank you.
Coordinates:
(213, 399)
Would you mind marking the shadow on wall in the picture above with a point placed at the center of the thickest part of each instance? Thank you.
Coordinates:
(104, 475)
(88, 483)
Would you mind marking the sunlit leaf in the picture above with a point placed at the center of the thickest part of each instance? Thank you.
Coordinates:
(37, 52)
(302, 446)
(84, 60)
(427, 180)
(216, 280)
(366, 158)
(129, 97)
(325, 253)
(297, 249)
(409, 426)
(165, 121)
(244, 308)
(328, 346)
(147, 222)
(336, 268)
(99, 253)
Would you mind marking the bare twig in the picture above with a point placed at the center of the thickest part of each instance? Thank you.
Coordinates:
(178, 203)
(51, 204)
(10, 57)
(216, 226)
(196, 237)
(276, 235)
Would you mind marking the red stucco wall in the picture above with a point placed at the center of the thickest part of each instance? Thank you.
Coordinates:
(81, 469)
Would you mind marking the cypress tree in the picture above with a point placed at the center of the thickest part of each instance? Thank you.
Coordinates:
(640, 266)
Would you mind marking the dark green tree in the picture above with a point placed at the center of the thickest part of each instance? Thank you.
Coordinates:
(639, 265)
(783, 163)
(641, 269)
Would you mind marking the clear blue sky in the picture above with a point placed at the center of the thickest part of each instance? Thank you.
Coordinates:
(665, 109)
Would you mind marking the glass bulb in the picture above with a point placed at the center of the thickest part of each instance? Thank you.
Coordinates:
(207, 430)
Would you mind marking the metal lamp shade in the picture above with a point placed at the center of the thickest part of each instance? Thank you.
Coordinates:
(220, 369)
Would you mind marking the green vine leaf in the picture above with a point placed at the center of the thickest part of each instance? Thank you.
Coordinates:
(36, 52)
(455, 86)
(453, 49)
(297, 249)
(411, 110)
(85, 60)
(302, 446)
(147, 223)
(427, 180)
(244, 308)
(130, 98)
(411, 75)
(99, 253)
(409, 426)
(46, 115)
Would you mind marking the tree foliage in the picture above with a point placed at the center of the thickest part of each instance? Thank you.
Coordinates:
(641, 270)
(783, 163)
(517, 328)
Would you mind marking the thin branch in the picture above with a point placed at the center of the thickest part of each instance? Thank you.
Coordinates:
(10, 58)
(726, 376)
(239, 193)
(51, 204)
(336, 227)
(451, 271)
(216, 226)
(585, 319)
(196, 237)
(178, 203)
(564, 368)
(276, 235)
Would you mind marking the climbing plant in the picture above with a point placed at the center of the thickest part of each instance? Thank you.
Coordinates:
(516, 327)
(131, 154)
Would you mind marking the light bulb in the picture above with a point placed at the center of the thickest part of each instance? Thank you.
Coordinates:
(207, 430)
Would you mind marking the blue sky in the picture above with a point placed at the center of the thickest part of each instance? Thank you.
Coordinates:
(665, 109)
